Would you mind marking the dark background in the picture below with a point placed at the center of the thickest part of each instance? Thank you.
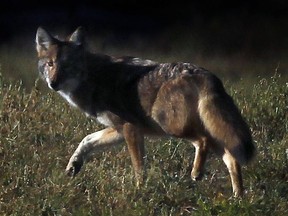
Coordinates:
(260, 26)
(254, 31)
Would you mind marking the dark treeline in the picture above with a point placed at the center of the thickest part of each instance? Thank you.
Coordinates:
(257, 26)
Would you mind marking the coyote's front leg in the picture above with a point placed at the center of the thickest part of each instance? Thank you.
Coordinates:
(135, 142)
(97, 141)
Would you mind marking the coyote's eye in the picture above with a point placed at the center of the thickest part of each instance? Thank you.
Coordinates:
(50, 63)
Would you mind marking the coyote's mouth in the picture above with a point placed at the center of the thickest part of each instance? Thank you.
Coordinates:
(68, 85)
(53, 85)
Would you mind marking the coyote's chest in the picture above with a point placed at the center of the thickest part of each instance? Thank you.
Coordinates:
(102, 118)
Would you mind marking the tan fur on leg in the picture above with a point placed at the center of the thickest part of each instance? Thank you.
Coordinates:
(201, 149)
(135, 143)
(235, 174)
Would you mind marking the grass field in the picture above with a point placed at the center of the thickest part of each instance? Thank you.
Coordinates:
(39, 132)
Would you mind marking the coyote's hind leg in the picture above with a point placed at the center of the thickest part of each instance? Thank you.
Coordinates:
(201, 150)
(235, 173)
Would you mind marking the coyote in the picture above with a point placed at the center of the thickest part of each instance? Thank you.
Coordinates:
(134, 98)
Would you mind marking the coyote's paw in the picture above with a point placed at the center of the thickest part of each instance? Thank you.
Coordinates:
(74, 166)
(196, 175)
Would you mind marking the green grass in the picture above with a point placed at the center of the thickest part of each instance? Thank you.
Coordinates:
(39, 132)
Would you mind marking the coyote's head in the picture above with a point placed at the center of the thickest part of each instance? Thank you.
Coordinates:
(61, 62)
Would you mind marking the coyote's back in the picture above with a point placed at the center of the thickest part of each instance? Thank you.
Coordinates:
(134, 97)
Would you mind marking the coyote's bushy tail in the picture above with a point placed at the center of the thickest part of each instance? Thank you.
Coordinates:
(223, 120)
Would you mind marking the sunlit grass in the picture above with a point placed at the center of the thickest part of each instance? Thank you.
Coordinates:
(39, 132)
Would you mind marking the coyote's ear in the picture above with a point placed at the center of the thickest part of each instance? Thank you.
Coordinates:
(43, 39)
(78, 36)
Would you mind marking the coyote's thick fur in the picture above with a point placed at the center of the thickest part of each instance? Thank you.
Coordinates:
(134, 97)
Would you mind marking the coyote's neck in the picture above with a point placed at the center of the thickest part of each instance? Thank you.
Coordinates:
(103, 86)
(67, 97)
